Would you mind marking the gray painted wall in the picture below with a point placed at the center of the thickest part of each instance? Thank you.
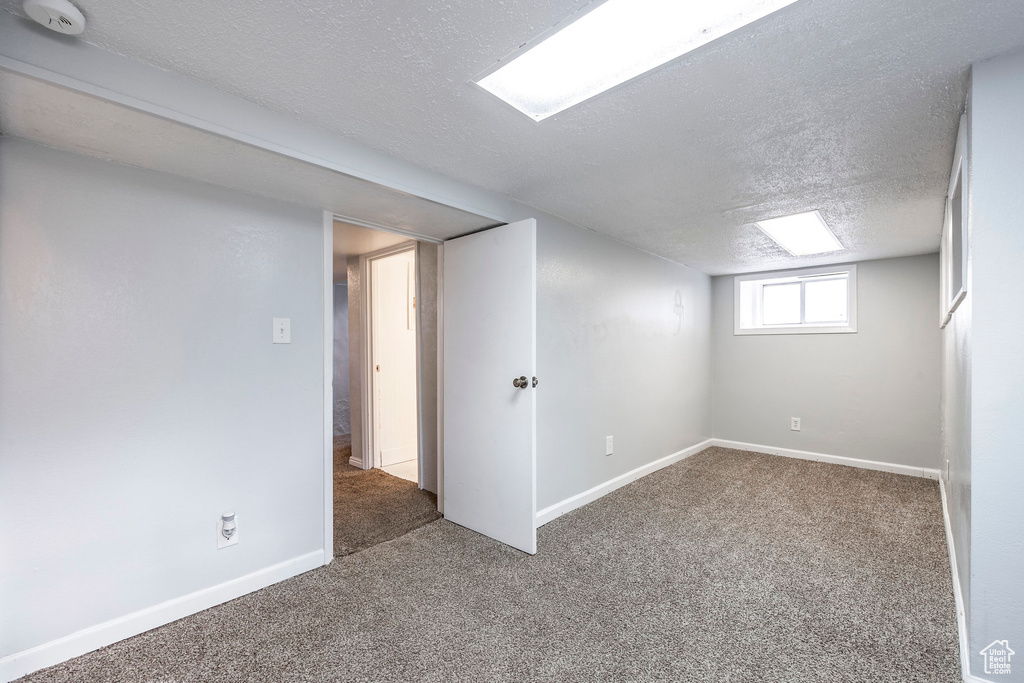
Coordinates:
(872, 395)
(426, 306)
(623, 349)
(355, 353)
(956, 434)
(342, 409)
(140, 394)
(996, 359)
(956, 412)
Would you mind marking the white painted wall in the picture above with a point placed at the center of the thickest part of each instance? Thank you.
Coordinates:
(623, 349)
(996, 353)
(872, 395)
(140, 394)
(342, 410)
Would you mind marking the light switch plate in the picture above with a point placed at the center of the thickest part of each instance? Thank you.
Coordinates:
(282, 330)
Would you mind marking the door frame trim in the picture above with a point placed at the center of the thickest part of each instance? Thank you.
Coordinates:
(367, 391)
(440, 378)
(328, 385)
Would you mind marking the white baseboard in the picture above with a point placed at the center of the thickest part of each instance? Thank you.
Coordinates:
(355, 462)
(958, 597)
(925, 472)
(101, 635)
(558, 509)
(580, 499)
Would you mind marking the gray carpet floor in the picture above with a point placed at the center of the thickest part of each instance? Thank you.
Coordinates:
(727, 566)
(371, 506)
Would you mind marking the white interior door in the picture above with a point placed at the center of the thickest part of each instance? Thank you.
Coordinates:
(394, 357)
(490, 338)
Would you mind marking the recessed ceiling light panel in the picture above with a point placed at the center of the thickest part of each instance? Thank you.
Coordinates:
(613, 43)
(801, 234)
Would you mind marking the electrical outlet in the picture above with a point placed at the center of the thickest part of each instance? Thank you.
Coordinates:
(794, 424)
(609, 446)
(282, 330)
(227, 530)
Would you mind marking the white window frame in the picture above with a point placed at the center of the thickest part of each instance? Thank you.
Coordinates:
(950, 300)
(800, 328)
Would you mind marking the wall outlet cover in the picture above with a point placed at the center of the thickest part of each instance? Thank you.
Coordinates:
(609, 445)
(794, 424)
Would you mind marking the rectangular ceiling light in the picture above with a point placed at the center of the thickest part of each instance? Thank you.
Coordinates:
(613, 43)
(801, 234)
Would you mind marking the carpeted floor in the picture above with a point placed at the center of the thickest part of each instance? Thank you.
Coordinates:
(371, 506)
(727, 566)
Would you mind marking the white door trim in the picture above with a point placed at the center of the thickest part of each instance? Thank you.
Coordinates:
(369, 454)
(440, 378)
(418, 309)
(387, 228)
(328, 357)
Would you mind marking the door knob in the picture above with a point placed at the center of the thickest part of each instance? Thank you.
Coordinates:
(520, 382)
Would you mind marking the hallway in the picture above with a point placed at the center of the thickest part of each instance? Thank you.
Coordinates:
(372, 506)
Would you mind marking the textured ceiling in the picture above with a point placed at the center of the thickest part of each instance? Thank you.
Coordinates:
(354, 240)
(67, 119)
(846, 107)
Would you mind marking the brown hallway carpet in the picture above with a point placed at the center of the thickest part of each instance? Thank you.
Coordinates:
(727, 566)
(371, 506)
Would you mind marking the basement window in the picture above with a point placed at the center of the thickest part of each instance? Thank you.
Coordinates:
(807, 301)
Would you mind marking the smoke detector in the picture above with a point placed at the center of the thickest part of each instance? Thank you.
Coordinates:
(59, 15)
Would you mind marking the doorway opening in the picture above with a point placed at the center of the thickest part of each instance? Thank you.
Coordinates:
(466, 409)
(384, 385)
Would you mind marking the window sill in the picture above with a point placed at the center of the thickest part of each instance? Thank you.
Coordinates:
(832, 329)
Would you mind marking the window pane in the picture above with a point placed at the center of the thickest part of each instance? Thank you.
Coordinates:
(825, 301)
(781, 304)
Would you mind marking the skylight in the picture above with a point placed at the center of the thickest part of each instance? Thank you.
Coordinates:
(801, 234)
(617, 41)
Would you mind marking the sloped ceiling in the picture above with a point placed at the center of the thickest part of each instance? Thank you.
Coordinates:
(846, 107)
